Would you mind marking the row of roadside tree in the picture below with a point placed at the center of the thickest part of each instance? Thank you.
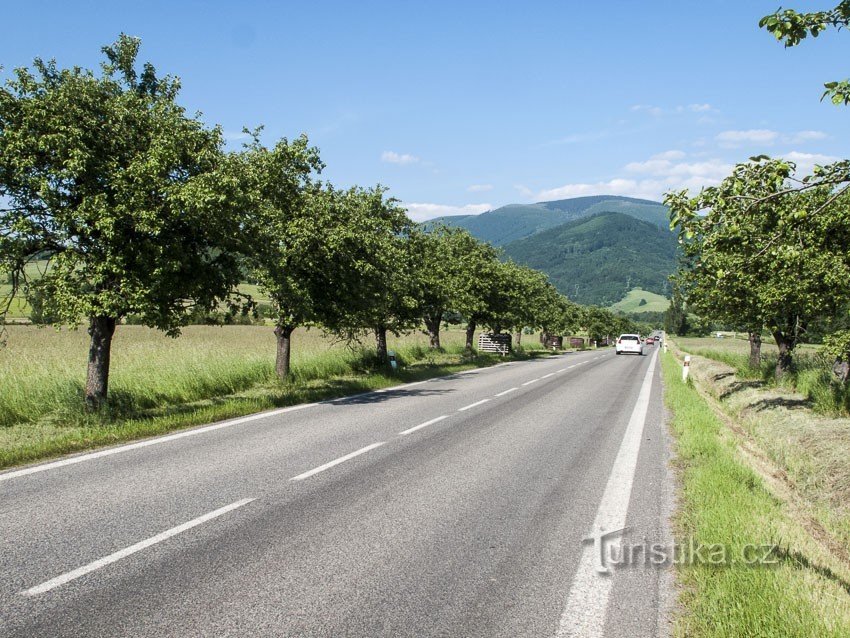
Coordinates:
(767, 249)
(140, 211)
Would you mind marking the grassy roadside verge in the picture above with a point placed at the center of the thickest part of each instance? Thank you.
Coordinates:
(48, 437)
(726, 503)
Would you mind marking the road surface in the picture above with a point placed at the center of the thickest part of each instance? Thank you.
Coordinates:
(453, 507)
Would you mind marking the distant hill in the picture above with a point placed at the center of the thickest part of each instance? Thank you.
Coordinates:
(598, 259)
(516, 221)
(639, 301)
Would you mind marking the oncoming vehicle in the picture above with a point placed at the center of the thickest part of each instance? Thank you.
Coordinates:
(629, 343)
(650, 341)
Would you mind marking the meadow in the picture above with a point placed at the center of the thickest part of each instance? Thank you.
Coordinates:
(158, 383)
(632, 302)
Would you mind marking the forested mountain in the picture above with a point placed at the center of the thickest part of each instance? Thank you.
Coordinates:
(598, 259)
(516, 221)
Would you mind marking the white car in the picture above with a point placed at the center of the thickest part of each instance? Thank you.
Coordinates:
(629, 343)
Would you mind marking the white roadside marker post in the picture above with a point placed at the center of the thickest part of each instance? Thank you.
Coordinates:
(686, 368)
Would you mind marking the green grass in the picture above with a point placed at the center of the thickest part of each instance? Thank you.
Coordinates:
(812, 376)
(723, 501)
(158, 383)
(631, 302)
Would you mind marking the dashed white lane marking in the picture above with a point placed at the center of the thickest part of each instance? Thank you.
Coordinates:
(135, 446)
(423, 425)
(331, 464)
(124, 553)
(584, 613)
(504, 392)
(530, 382)
(546, 376)
(472, 405)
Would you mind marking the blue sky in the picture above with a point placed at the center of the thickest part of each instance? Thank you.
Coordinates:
(462, 107)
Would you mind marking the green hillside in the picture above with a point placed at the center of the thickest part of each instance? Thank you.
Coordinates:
(516, 221)
(632, 302)
(599, 259)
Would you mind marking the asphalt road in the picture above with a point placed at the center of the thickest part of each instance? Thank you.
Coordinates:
(452, 507)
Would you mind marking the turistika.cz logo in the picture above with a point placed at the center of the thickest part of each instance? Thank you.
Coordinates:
(613, 551)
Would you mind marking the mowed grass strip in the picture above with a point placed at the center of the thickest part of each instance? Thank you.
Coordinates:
(158, 384)
(812, 376)
(724, 502)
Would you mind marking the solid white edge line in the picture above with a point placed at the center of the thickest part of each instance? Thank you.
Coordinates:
(395, 387)
(546, 376)
(141, 444)
(530, 382)
(331, 464)
(132, 549)
(423, 425)
(504, 392)
(472, 405)
(586, 607)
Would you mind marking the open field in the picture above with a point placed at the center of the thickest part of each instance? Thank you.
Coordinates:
(727, 504)
(158, 383)
(631, 302)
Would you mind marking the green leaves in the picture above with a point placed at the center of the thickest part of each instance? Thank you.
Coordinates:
(110, 180)
(791, 28)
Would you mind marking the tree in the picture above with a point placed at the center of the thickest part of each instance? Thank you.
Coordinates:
(777, 255)
(444, 259)
(792, 27)
(376, 289)
(478, 287)
(290, 221)
(131, 201)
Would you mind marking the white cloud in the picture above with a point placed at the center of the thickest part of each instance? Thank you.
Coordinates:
(712, 169)
(647, 108)
(578, 138)
(801, 137)
(479, 188)
(616, 186)
(732, 139)
(652, 178)
(420, 212)
(700, 108)
(806, 161)
(523, 190)
(391, 157)
(669, 155)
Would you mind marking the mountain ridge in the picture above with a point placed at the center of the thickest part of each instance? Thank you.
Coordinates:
(511, 222)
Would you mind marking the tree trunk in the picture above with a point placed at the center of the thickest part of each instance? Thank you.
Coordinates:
(470, 335)
(785, 364)
(432, 323)
(517, 339)
(284, 348)
(381, 343)
(755, 350)
(101, 330)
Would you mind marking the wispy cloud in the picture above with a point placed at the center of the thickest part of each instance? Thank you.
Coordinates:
(647, 108)
(657, 111)
(700, 108)
(579, 138)
(479, 188)
(766, 137)
(650, 178)
(734, 139)
(421, 211)
(403, 159)
(806, 162)
(801, 137)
